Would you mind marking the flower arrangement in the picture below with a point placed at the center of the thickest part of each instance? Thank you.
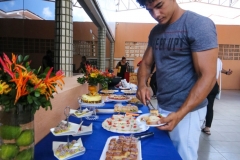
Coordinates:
(21, 85)
(93, 76)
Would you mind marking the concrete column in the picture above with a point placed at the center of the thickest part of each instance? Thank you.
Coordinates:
(101, 48)
(111, 55)
(63, 50)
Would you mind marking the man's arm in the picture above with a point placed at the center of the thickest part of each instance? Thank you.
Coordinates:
(143, 75)
(205, 64)
(117, 65)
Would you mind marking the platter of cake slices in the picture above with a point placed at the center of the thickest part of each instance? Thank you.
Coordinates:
(118, 98)
(63, 151)
(63, 129)
(150, 120)
(79, 114)
(126, 124)
(122, 147)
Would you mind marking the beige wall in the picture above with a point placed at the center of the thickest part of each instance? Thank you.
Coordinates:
(45, 120)
(138, 32)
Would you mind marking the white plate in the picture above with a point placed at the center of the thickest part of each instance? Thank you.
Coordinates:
(93, 104)
(56, 144)
(105, 149)
(108, 91)
(143, 122)
(123, 88)
(111, 111)
(114, 100)
(72, 130)
(72, 111)
(129, 91)
(142, 127)
(85, 130)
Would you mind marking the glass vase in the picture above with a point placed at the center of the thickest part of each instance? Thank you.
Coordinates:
(92, 89)
(17, 133)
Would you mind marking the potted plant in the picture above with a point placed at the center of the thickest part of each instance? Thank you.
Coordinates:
(23, 91)
(93, 76)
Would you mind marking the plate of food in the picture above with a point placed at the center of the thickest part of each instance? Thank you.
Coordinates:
(80, 114)
(108, 91)
(62, 129)
(129, 92)
(111, 111)
(124, 88)
(134, 100)
(122, 147)
(151, 120)
(84, 130)
(118, 98)
(129, 108)
(126, 124)
(62, 151)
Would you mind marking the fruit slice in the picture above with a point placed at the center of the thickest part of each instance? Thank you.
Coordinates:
(10, 132)
(8, 151)
(26, 138)
(26, 154)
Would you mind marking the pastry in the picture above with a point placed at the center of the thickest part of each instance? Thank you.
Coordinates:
(121, 149)
(91, 99)
(125, 109)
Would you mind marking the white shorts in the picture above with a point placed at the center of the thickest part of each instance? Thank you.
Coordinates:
(185, 136)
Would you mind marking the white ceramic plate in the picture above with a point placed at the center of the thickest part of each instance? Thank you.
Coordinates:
(105, 149)
(72, 111)
(93, 104)
(85, 130)
(111, 111)
(129, 91)
(56, 144)
(108, 91)
(72, 130)
(143, 128)
(123, 88)
(143, 122)
(122, 100)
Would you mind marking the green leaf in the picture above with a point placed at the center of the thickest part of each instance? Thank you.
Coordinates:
(25, 58)
(29, 99)
(20, 58)
(37, 94)
(37, 102)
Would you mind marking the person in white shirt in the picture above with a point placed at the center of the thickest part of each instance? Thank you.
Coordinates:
(211, 97)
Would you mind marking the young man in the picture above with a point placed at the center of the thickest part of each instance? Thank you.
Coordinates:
(184, 47)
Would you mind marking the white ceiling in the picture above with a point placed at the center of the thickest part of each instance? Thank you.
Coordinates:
(218, 10)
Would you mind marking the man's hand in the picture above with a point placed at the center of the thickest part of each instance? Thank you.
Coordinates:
(143, 94)
(171, 121)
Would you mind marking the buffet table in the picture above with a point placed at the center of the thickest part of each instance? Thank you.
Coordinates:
(155, 147)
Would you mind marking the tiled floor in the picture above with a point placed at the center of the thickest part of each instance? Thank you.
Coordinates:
(224, 141)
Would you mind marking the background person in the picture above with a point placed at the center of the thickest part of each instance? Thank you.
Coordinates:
(211, 98)
(83, 63)
(47, 60)
(122, 67)
(184, 47)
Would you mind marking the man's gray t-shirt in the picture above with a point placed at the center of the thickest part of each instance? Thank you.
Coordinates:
(173, 46)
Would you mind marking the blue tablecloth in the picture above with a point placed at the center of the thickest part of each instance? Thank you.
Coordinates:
(157, 147)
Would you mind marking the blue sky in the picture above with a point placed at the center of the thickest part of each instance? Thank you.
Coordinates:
(41, 8)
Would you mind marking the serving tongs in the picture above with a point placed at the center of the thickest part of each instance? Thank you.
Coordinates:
(152, 109)
(140, 136)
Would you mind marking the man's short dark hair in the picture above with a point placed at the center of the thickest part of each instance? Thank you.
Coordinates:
(123, 58)
(143, 2)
